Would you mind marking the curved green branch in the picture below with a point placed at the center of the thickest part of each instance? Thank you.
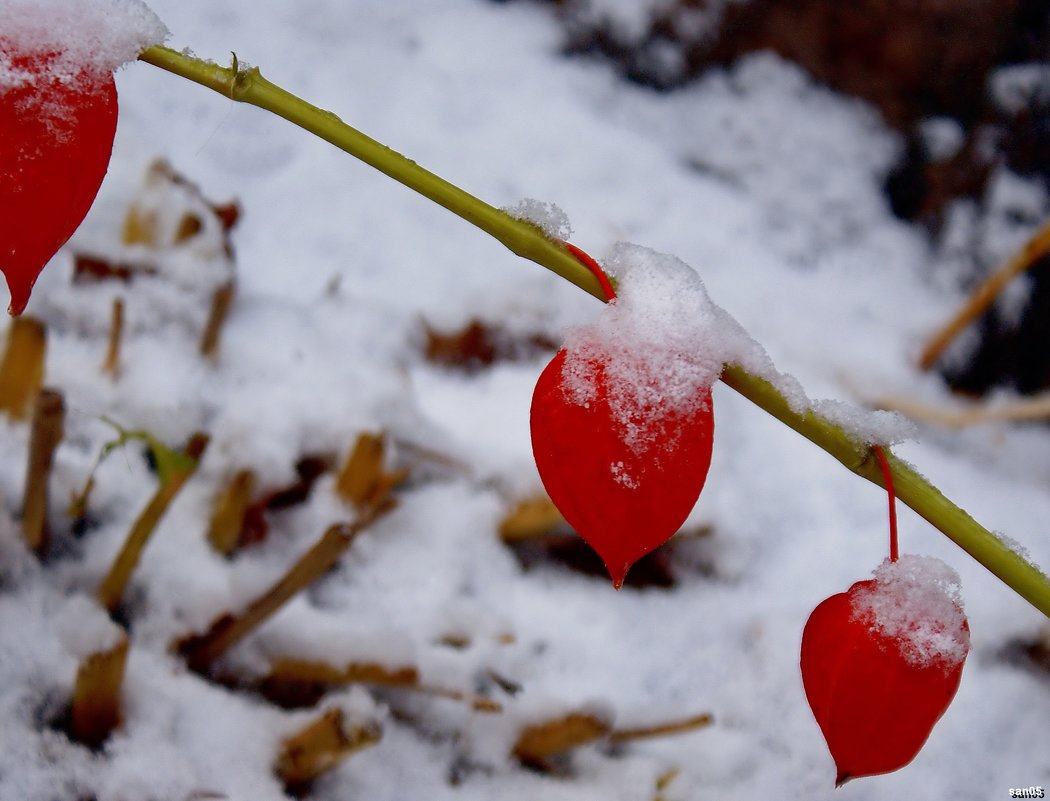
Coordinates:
(247, 85)
(526, 240)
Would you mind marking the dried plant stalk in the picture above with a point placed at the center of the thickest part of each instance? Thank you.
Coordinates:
(364, 466)
(221, 301)
(111, 365)
(477, 702)
(1035, 249)
(662, 729)
(320, 747)
(201, 651)
(49, 414)
(140, 228)
(533, 517)
(22, 367)
(227, 518)
(1034, 408)
(363, 481)
(293, 679)
(96, 709)
(189, 226)
(111, 591)
(538, 743)
(663, 781)
(292, 669)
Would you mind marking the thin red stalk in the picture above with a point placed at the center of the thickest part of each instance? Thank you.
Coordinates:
(887, 476)
(584, 259)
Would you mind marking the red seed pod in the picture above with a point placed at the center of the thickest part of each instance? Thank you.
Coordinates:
(881, 663)
(625, 486)
(56, 137)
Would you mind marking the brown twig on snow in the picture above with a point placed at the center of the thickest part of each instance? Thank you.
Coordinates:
(111, 591)
(293, 670)
(1034, 408)
(22, 367)
(663, 781)
(1037, 247)
(662, 729)
(49, 414)
(221, 301)
(362, 480)
(202, 650)
(321, 746)
(293, 679)
(96, 708)
(111, 365)
(535, 516)
(538, 743)
(227, 517)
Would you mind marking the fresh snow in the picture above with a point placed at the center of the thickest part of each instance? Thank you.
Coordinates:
(916, 602)
(546, 216)
(766, 184)
(92, 36)
(661, 344)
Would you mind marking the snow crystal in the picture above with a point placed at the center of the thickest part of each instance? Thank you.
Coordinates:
(84, 628)
(546, 216)
(864, 426)
(622, 475)
(96, 36)
(916, 601)
(1018, 548)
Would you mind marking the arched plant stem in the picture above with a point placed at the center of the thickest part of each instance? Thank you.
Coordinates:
(247, 85)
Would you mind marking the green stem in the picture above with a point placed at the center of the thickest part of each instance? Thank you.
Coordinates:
(528, 241)
(249, 86)
(911, 488)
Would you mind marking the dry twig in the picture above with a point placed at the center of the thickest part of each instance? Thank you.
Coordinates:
(662, 729)
(221, 301)
(111, 365)
(227, 517)
(203, 650)
(536, 516)
(1037, 248)
(363, 481)
(111, 591)
(1034, 408)
(297, 681)
(321, 746)
(49, 414)
(22, 367)
(538, 743)
(95, 710)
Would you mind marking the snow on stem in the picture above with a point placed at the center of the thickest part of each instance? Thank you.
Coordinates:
(247, 85)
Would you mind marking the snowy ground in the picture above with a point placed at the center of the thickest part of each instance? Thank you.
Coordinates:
(766, 184)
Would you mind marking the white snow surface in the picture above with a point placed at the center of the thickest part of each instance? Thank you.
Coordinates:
(766, 183)
(84, 628)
